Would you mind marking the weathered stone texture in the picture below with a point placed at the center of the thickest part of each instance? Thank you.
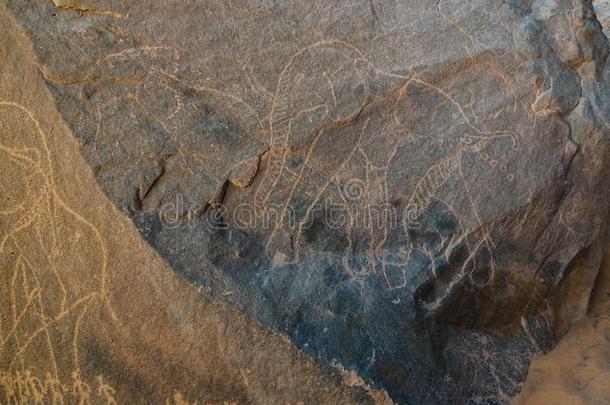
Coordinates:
(415, 192)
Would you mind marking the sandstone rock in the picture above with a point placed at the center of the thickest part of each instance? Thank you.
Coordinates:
(576, 371)
(415, 192)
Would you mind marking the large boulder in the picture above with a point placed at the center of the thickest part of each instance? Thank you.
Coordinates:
(415, 192)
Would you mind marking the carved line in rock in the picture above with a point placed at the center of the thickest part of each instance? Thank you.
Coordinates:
(25, 387)
(284, 112)
(31, 229)
(281, 116)
(165, 76)
(280, 119)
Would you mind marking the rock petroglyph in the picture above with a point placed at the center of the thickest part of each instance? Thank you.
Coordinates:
(404, 190)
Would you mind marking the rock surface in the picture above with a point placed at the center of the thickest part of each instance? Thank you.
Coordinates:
(89, 313)
(415, 193)
(602, 9)
(577, 371)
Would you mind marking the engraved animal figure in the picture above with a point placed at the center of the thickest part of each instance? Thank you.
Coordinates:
(435, 161)
(333, 68)
(47, 287)
(171, 140)
(386, 136)
(428, 185)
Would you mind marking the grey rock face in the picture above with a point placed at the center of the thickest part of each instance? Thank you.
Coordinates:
(400, 187)
(602, 9)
